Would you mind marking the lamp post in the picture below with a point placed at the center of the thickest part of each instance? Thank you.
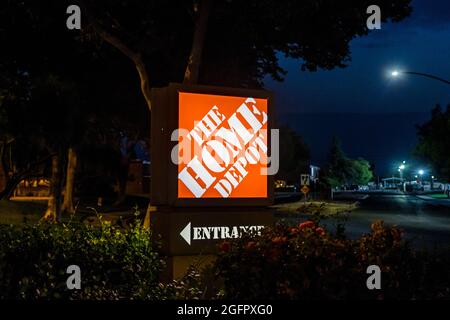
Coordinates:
(401, 168)
(421, 173)
(396, 73)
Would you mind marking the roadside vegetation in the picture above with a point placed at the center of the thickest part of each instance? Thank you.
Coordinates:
(307, 262)
(301, 261)
(325, 208)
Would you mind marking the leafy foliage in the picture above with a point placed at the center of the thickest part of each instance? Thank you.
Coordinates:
(342, 170)
(294, 155)
(306, 262)
(362, 172)
(246, 37)
(434, 142)
(114, 263)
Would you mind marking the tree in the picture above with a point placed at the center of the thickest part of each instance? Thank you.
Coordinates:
(434, 142)
(52, 85)
(223, 42)
(43, 125)
(232, 43)
(294, 156)
(362, 173)
(342, 170)
(338, 166)
(229, 42)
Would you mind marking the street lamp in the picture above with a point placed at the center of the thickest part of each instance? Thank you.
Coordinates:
(397, 73)
(402, 167)
(421, 172)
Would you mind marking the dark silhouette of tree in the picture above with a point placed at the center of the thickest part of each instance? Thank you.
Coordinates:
(337, 169)
(222, 42)
(227, 42)
(294, 156)
(341, 170)
(52, 86)
(434, 142)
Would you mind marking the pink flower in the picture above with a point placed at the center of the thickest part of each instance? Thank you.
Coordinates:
(320, 231)
(277, 240)
(306, 225)
(225, 246)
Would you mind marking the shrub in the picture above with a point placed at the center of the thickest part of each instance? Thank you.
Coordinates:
(114, 263)
(306, 262)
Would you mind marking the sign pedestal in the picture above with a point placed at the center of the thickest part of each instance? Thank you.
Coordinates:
(191, 235)
(209, 173)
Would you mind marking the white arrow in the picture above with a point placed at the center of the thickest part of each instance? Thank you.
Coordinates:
(186, 233)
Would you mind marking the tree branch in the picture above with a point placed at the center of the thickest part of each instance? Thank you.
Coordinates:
(135, 57)
(192, 69)
(15, 179)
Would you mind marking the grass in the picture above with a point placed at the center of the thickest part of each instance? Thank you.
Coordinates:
(438, 196)
(19, 213)
(30, 212)
(310, 207)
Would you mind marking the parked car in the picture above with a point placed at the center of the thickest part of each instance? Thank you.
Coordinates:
(413, 187)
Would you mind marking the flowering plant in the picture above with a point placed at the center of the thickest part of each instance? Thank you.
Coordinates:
(307, 262)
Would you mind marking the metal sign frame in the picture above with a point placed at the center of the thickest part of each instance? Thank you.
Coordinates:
(164, 173)
(305, 180)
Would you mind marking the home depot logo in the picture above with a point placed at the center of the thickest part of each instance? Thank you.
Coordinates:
(224, 148)
(190, 233)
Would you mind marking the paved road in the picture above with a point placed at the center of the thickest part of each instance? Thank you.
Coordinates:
(426, 222)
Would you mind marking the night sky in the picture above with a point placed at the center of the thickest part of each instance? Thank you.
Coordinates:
(373, 114)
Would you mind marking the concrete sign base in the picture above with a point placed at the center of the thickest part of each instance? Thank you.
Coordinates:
(193, 234)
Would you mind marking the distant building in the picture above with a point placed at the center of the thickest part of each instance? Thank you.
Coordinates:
(314, 173)
(392, 183)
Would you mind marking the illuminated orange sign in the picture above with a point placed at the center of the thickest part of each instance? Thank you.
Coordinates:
(222, 146)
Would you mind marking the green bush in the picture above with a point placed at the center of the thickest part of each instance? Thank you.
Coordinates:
(284, 262)
(306, 262)
(114, 263)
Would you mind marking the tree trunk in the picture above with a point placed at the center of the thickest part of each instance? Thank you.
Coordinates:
(10, 186)
(122, 180)
(192, 69)
(193, 66)
(6, 169)
(143, 78)
(14, 179)
(67, 205)
(4, 176)
(54, 203)
(135, 57)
